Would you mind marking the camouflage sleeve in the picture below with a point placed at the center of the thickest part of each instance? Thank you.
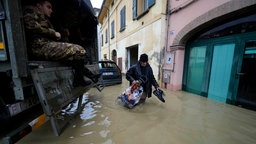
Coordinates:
(31, 20)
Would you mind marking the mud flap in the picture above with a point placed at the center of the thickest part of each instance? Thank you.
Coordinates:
(55, 90)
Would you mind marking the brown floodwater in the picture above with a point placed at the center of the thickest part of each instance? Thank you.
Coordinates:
(184, 118)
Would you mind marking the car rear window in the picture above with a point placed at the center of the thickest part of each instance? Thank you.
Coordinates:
(108, 65)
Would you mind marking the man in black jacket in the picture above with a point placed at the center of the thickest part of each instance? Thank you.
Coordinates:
(143, 73)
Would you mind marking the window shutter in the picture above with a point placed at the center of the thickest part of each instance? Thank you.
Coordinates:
(151, 2)
(122, 14)
(134, 9)
(121, 18)
(102, 40)
(106, 33)
(113, 29)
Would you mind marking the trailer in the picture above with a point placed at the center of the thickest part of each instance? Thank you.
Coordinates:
(30, 88)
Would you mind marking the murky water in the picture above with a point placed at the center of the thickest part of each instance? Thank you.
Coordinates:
(184, 118)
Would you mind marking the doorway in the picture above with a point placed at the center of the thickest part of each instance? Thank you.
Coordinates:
(223, 69)
(246, 95)
(114, 56)
(132, 55)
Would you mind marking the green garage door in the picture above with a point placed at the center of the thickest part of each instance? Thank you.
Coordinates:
(196, 69)
(221, 71)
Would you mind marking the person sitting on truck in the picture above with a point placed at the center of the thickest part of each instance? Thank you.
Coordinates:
(44, 44)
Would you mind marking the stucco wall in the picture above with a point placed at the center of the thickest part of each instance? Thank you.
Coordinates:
(148, 40)
(148, 32)
(184, 16)
(189, 17)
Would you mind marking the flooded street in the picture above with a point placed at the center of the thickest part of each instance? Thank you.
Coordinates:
(184, 118)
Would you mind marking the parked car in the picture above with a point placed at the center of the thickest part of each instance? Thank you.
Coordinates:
(111, 73)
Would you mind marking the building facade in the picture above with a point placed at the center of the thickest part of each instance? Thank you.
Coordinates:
(133, 27)
(212, 49)
(200, 46)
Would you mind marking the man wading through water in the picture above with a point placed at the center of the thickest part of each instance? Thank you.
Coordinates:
(44, 44)
(143, 73)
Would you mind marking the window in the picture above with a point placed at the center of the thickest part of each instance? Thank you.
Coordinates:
(112, 29)
(113, 2)
(141, 7)
(145, 5)
(122, 18)
(238, 26)
(106, 35)
(250, 49)
(134, 9)
(105, 56)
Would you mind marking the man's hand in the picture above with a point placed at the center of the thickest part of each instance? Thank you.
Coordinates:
(58, 35)
(134, 82)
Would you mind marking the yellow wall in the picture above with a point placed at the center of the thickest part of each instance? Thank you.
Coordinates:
(148, 32)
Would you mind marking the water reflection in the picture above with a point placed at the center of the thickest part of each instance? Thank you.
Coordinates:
(89, 123)
(183, 118)
(88, 112)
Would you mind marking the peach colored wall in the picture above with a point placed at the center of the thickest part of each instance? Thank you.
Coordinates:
(176, 76)
(183, 18)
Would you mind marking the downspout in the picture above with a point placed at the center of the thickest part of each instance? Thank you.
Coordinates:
(166, 38)
(168, 24)
(108, 35)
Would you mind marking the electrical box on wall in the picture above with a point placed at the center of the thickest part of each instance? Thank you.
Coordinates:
(166, 77)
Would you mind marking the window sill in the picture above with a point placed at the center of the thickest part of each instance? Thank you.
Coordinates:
(142, 14)
(122, 29)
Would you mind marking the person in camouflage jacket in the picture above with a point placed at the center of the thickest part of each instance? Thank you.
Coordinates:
(45, 45)
(43, 39)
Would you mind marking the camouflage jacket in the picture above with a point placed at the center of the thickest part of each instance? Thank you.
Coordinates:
(39, 29)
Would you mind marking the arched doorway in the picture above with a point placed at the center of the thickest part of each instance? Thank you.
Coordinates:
(220, 62)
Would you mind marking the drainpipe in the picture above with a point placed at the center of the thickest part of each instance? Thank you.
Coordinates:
(108, 35)
(168, 24)
(108, 32)
(167, 36)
